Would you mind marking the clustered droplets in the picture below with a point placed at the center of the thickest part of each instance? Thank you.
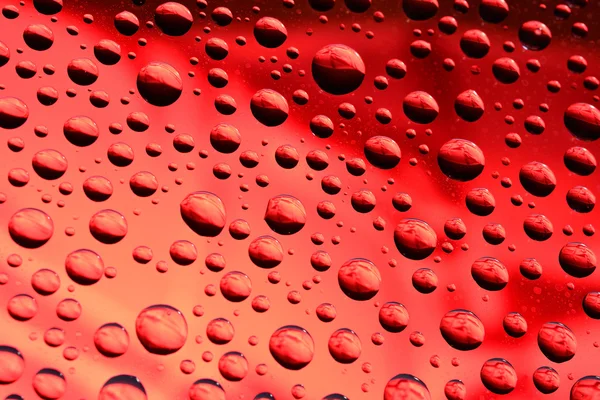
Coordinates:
(330, 182)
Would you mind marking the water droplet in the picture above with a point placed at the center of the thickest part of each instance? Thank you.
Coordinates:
(173, 19)
(161, 329)
(557, 342)
(514, 325)
(406, 386)
(111, 340)
(587, 387)
(498, 376)
(84, 267)
(490, 273)
(38, 36)
(220, 331)
(30, 228)
(269, 107)
(206, 389)
(292, 347)
(270, 32)
(455, 390)
(204, 213)
(13, 113)
(415, 239)
(12, 365)
(108, 226)
(577, 260)
(123, 387)
(546, 380)
(359, 279)
(235, 286)
(420, 107)
(338, 69)
(344, 346)
(159, 83)
(49, 383)
(233, 366)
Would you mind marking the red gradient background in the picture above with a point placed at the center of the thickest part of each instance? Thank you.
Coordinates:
(435, 199)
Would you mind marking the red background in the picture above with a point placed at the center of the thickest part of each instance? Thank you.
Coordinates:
(435, 199)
